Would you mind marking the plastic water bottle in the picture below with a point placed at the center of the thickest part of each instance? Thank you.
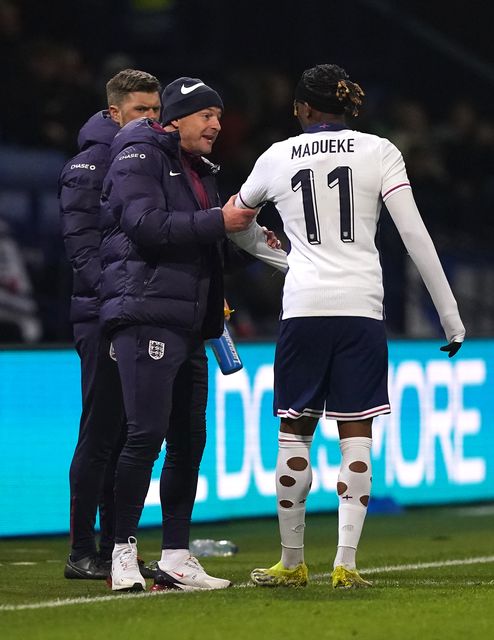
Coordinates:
(203, 547)
(226, 353)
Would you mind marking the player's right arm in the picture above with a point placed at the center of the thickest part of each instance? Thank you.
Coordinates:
(254, 192)
(253, 240)
(252, 195)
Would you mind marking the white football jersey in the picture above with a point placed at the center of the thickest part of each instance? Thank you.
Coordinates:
(328, 185)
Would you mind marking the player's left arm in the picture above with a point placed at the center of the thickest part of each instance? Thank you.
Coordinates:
(403, 210)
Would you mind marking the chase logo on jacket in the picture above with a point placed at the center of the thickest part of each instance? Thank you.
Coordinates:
(81, 165)
(127, 156)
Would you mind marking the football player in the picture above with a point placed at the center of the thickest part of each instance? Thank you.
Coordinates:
(329, 184)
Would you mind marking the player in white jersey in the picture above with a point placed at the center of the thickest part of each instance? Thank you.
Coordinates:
(328, 185)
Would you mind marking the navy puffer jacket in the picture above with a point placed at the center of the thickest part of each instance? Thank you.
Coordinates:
(80, 184)
(161, 254)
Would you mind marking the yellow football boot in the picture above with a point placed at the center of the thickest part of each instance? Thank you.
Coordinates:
(343, 578)
(278, 576)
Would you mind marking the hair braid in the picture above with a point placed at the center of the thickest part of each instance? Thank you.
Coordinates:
(347, 91)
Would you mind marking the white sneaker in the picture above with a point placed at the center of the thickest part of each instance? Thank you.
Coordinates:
(125, 574)
(188, 576)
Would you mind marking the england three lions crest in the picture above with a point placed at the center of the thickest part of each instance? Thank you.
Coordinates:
(156, 349)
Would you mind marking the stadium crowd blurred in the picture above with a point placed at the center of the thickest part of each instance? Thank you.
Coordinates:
(55, 73)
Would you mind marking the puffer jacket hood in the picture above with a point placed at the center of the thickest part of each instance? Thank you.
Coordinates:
(99, 129)
(144, 130)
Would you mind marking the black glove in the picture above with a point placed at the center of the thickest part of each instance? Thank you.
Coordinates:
(452, 348)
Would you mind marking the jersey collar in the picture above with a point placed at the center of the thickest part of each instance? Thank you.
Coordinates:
(326, 126)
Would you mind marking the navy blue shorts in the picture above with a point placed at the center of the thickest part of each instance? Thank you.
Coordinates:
(334, 365)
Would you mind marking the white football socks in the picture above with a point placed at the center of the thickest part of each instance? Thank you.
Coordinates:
(293, 481)
(354, 484)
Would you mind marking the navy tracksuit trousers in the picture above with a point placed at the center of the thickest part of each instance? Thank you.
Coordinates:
(165, 384)
(101, 436)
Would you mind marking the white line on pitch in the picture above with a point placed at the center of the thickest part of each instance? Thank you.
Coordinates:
(50, 604)
(482, 510)
(430, 565)
(415, 567)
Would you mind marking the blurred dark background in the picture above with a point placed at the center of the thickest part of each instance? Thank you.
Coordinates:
(428, 72)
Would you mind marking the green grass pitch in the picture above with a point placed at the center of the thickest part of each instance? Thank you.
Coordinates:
(433, 574)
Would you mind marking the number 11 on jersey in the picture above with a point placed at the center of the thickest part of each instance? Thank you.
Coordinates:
(341, 177)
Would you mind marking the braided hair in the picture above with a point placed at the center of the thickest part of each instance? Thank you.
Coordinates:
(328, 88)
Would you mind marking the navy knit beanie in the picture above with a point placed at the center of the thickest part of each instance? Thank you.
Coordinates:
(185, 96)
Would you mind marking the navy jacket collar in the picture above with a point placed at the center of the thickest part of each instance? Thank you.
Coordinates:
(326, 126)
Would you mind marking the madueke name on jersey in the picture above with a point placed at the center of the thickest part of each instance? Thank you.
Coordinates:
(325, 145)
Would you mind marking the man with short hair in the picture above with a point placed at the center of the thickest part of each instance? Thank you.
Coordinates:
(162, 297)
(131, 94)
(328, 185)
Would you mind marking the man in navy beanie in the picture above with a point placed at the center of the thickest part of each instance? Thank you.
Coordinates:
(162, 250)
(187, 95)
